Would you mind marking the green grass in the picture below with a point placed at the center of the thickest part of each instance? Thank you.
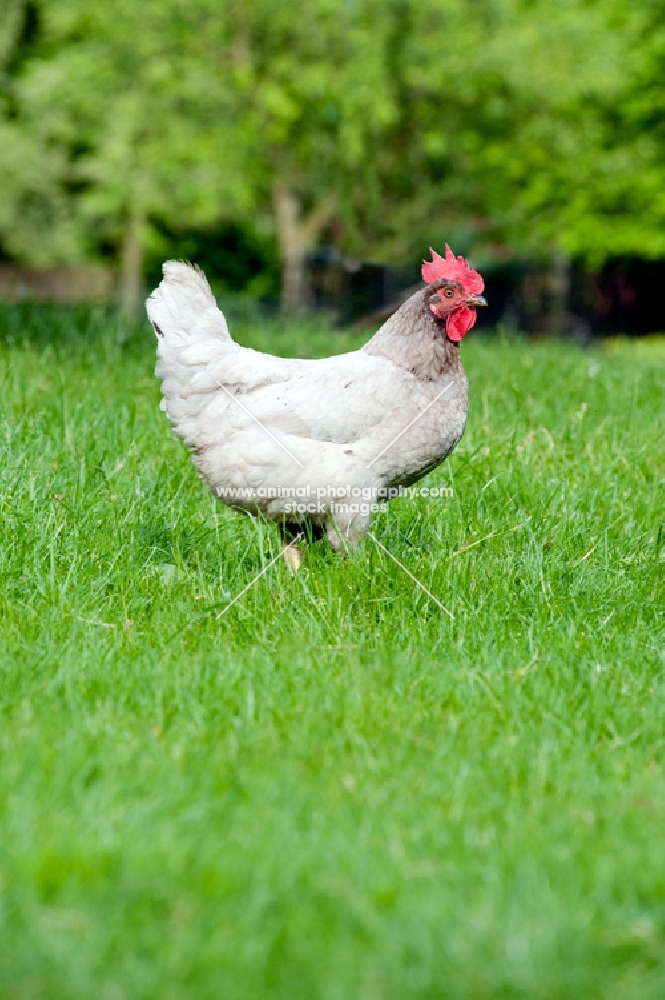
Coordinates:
(333, 792)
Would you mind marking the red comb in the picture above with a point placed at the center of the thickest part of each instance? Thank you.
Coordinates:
(455, 268)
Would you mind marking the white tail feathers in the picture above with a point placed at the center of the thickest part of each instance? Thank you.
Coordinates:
(183, 305)
(193, 343)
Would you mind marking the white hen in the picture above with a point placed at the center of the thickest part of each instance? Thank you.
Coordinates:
(316, 441)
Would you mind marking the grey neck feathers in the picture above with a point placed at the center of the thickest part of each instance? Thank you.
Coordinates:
(415, 340)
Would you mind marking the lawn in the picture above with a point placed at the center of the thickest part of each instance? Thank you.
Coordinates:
(333, 790)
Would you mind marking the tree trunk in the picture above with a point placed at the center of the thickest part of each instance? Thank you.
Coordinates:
(131, 265)
(297, 236)
(559, 293)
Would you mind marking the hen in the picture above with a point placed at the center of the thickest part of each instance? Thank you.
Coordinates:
(319, 442)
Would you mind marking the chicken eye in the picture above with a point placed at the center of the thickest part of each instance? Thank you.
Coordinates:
(448, 292)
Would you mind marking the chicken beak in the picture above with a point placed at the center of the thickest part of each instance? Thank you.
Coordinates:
(476, 300)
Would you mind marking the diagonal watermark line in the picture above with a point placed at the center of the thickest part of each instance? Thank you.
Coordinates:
(417, 417)
(258, 577)
(408, 573)
(262, 426)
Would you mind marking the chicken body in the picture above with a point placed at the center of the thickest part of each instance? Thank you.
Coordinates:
(272, 435)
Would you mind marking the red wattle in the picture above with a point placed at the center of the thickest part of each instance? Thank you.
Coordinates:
(460, 322)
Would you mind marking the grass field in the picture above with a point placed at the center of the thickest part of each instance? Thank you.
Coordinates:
(334, 791)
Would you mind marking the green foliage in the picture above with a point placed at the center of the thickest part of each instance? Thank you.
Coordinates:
(315, 94)
(332, 790)
(35, 211)
(10, 27)
(520, 123)
(524, 119)
(125, 88)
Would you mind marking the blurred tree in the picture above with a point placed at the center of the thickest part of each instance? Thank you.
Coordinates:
(134, 93)
(625, 185)
(503, 125)
(187, 110)
(540, 125)
(582, 182)
(9, 28)
(35, 210)
(314, 101)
